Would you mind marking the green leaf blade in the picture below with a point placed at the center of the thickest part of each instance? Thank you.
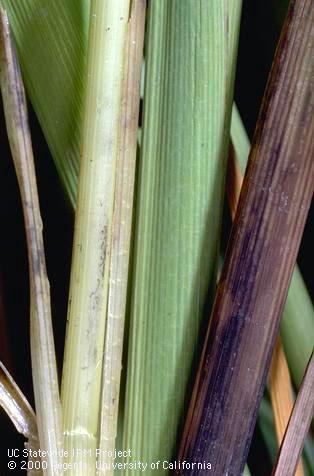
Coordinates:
(51, 40)
(182, 171)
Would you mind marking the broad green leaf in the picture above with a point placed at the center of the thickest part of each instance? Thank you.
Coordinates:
(187, 107)
(51, 38)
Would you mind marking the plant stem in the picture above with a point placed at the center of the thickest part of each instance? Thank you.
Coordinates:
(280, 382)
(16, 406)
(44, 370)
(298, 426)
(121, 237)
(81, 385)
(281, 395)
(273, 206)
(297, 325)
(22, 416)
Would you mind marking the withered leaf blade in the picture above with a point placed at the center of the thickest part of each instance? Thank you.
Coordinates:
(280, 383)
(16, 405)
(298, 426)
(263, 247)
(44, 369)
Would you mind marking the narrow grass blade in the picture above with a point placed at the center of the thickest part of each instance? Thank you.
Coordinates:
(246, 471)
(51, 39)
(121, 237)
(22, 416)
(297, 328)
(234, 181)
(280, 382)
(84, 347)
(274, 201)
(281, 394)
(187, 109)
(45, 380)
(298, 427)
(308, 455)
(297, 325)
(267, 427)
(16, 406)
